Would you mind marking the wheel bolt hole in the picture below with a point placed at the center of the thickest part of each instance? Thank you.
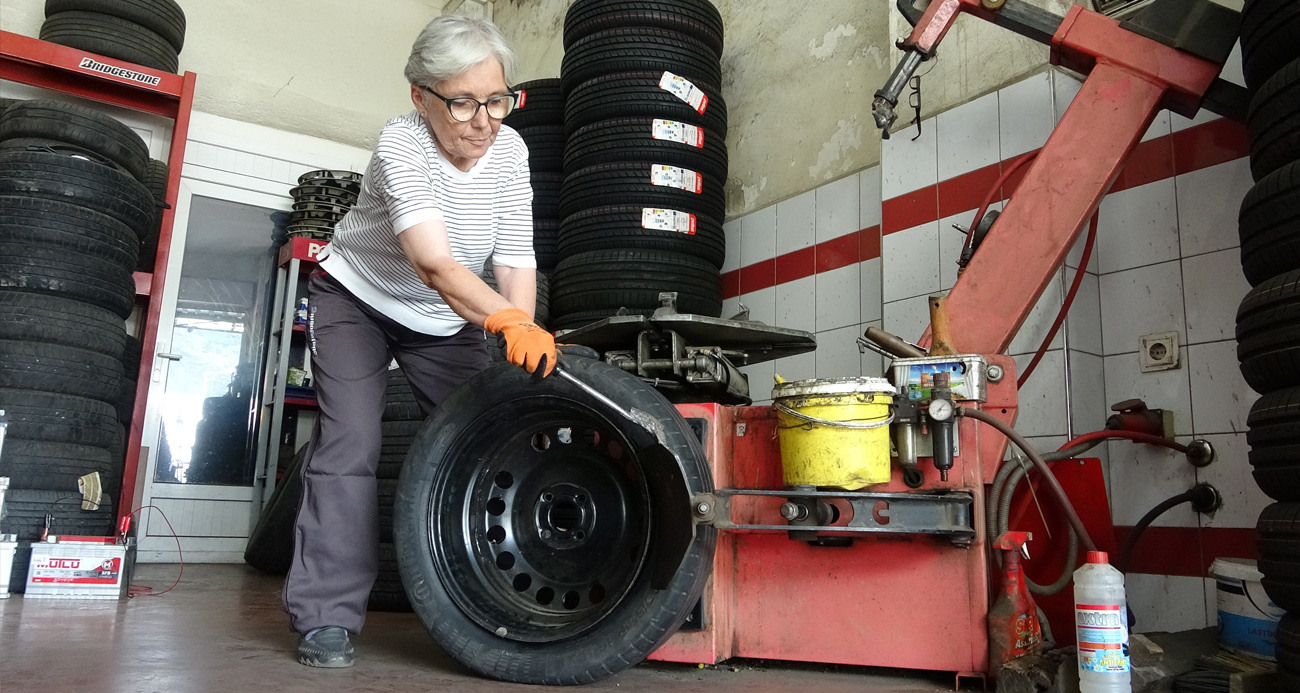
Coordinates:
(581, 498)
(564, 435)
(571, 600)
(505, 480)
(615, 450)
(541, 442)
(597, 593)
(591, 438)
(505, 560)
(496, 534)
(545, 596)
(565, 516)
(548, 497)
(522, 582)
(496, 506)
(579, 536)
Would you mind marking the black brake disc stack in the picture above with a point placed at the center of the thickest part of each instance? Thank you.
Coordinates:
(645, 161)
(320, 201)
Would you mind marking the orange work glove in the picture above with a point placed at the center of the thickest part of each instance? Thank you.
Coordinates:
(527, 344)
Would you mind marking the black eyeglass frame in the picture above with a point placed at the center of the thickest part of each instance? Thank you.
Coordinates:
(514, 98)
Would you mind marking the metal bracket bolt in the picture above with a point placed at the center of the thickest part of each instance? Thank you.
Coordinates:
(995, 373)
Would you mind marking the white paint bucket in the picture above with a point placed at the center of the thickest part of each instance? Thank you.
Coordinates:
(1247, 617)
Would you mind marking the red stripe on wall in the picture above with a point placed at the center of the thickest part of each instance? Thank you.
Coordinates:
(1186, 551)
(1195, 148)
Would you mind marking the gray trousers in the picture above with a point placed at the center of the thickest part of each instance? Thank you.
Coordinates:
(336, 536)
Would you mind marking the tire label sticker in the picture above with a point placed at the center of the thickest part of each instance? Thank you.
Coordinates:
(92, 65)
(668, 220)
(523, 98)
(684, 90)
(1103, 638)
(674, 131)
(673, 177)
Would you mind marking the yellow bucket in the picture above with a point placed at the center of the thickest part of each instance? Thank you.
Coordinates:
(835, 431)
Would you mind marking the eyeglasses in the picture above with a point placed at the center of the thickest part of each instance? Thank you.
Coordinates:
(463, 108)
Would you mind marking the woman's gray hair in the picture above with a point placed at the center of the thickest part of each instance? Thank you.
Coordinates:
(452, 44)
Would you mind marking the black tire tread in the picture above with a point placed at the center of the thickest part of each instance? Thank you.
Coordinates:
(636, 94)
(35, 269)
(696, 18)
(1268, 38)
(630, 139)
(1268, 334)
(612, 279)
(619, 227)
(629, 184)
(40, 318)
(112, 37)
(79, 126)
(636, 48)
(77, 229)
(56, 418)
(163, 17)
(52, 176)
(55, 466)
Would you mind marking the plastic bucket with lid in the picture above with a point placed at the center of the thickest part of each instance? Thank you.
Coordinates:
(834, 431)
(1247, 618)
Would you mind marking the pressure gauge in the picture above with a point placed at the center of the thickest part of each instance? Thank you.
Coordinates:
(941, 410)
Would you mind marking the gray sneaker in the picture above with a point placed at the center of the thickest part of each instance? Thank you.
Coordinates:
(326, 647)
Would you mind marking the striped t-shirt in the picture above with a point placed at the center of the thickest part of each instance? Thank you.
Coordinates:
(487, 210)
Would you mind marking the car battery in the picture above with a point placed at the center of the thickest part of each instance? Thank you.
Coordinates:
(80, 568)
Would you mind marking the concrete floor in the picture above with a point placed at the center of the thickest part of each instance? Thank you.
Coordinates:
(221, 630)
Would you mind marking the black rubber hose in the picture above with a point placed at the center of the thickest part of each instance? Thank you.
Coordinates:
(1130, 542)
(1048, 477)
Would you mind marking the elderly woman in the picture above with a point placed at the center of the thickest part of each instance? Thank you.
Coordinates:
(447, 187)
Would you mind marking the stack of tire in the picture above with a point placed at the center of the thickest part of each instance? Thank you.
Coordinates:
(73, 213)
(320, 201)
(645, 161)
(145, 32)
(1268, 320)
(270, 546)
(539, 118)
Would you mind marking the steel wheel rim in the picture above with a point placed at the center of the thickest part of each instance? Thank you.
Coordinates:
(552, 530)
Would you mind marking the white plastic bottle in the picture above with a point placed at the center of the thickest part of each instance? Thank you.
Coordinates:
(1101, 624)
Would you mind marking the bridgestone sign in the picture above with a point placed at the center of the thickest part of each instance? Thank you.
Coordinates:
(95, 66)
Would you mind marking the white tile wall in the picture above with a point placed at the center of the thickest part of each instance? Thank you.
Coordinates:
(1208, 202)
(762, 305)
(760, 381)
(1138, 226)
(1025, 115)
(731, 231)
(1042, 399)
(1065, 86)
(1166, 603)
(730, 306)
(907, 318)
(1087, 392)
(837, 352)
(837, 208)
(839, 292)
(758, 230)
(869, 198)
(795, 303)
(911, 262)
(906, 165)
(967, 140)
(796, 223)
(1083, 324)
(873, 364)
(1159, 127)
(1213, 286)
(801, 367)
(1138, 302)
(870, 274)
(1040, 319)
(1141, 476)
(1221, 400)
(1242, 499)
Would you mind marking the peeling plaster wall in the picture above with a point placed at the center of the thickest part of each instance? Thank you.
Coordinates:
(327, 68)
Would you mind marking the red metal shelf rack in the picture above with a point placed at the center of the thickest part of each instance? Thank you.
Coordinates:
(59, 68)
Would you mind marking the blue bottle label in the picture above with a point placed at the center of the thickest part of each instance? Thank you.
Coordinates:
(1103, 638)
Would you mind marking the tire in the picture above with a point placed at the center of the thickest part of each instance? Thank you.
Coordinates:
(1269, 225)
(270, 545)
(628, 49)
(156, 181)
(56, 418)
(1268, 334)
(1269, 33)
(25, 511)
(630, 184)
(545, 146)
(1279, 553)
(6, 103)
(546, 240)
(34, 269)
(1288, 651)
(1274, 122)
(698, 19)
(163, 17)
(546, 194)
(621, 227)
(55, 466)
(76, 229)
(38, 318)
(600, 633)
(638, 95)
(633, 279)
(573, 321)
(635, 139)
(399, 401)
(22, 562)
(543, 104)
(75, 181)
(387, 492)
(388, 594)
(1274, 439)
(78, 126)
(112, 37)
(61, 369)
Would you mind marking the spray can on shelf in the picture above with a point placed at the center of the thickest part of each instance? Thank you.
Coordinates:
(1101, 622)
(1014, 630)
(300, 315)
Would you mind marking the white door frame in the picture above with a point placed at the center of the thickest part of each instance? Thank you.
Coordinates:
(156, 543)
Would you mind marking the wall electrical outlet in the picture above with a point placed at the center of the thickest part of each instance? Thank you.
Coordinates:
(1158, 352)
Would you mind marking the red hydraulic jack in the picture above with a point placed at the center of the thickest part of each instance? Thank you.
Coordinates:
(912, 601)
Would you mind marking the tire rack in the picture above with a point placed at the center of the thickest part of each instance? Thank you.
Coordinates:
(58, 68)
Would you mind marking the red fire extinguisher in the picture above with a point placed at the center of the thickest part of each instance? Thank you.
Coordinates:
(1014, 630)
